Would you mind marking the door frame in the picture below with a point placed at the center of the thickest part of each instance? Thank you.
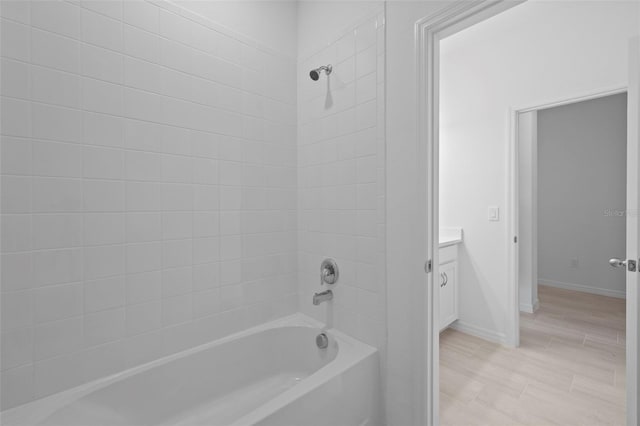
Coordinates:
(514, 211)
(428, 32)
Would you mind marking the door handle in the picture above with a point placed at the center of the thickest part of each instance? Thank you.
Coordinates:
(445, 279)
(618, 263)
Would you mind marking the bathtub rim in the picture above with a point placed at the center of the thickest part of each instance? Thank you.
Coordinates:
(350, 351)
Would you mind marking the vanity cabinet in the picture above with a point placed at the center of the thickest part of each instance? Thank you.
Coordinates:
(448, 285)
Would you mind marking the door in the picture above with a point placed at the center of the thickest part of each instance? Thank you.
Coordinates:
(633, 229)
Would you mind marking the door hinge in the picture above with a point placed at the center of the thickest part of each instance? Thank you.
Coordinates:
(428, 266)
(631, 265)
(515, 239)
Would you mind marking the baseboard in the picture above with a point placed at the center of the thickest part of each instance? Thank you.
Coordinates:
(584, 288)
(483, 333)
(529, 308)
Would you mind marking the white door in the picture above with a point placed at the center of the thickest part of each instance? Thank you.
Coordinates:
(633, 229)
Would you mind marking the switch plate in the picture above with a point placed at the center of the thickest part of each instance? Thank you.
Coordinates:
(494, 214)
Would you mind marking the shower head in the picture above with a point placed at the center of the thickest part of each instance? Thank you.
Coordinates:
(315, 74)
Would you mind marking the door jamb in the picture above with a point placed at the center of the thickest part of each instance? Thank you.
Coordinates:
(513, 216)
(428, 32)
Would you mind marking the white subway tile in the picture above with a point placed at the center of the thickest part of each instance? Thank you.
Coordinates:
(206, 250)
(104, 360)
(111, 8)
(17, 310)
(16, 386)
(104, 326)
(143, 348)
(50, 50)
(143, 227)
(143, 318)
(16, 347)
(143, 75)
(58, 302)
(206, 276)
(14, 40)
(54, 159)
(101, 64)
(105, 293)
(16, 117)
(177, 225)
(16, 233)
(141, 14)
(104, 196)
(206, 224)
(57, 338)
(16, 10)
(17, 272)
(104, 261)
(15, 79)
(104, 228)
(177, 196)
(144, 287)
(57, 16)
(57, 123)
(176, 310)
(100, 96)
(15, 155)
(101, 31)
(141, 44)
(177, 253)
(206, 303)
(144, 257)
(143, 196)
(57, 266)
(57, 231)
(103, 163)
(51, 195)
(177, 281)
(102, 129)
(56, 374)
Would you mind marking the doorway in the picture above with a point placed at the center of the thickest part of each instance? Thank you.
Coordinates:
(432, 35)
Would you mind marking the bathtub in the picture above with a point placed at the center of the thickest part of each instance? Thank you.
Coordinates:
(273, 374)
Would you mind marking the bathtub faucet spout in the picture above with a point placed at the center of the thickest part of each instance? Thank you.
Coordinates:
(324, 296)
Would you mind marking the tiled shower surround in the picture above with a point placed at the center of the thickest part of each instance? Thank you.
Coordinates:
(341, 179)
(149, 188)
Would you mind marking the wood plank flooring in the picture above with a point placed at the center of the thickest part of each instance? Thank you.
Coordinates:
(569, 369)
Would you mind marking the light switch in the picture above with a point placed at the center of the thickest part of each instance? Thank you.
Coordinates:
(494, 213)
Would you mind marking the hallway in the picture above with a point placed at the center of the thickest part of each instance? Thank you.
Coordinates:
(568, 370)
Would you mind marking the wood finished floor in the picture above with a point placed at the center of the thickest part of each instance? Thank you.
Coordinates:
(569, 369)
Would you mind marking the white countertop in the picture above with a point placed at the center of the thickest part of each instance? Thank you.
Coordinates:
(450, 236)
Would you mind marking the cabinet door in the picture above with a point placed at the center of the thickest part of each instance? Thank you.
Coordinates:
(448, 294)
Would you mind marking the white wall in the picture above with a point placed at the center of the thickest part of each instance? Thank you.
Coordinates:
(148, 188)
(582, 151)
(341, 162)
(529, 55)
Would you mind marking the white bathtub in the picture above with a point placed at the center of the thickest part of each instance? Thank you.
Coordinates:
(273, 374)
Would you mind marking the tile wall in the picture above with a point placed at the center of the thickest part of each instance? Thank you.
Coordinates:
(149, 187)
(341, 180)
